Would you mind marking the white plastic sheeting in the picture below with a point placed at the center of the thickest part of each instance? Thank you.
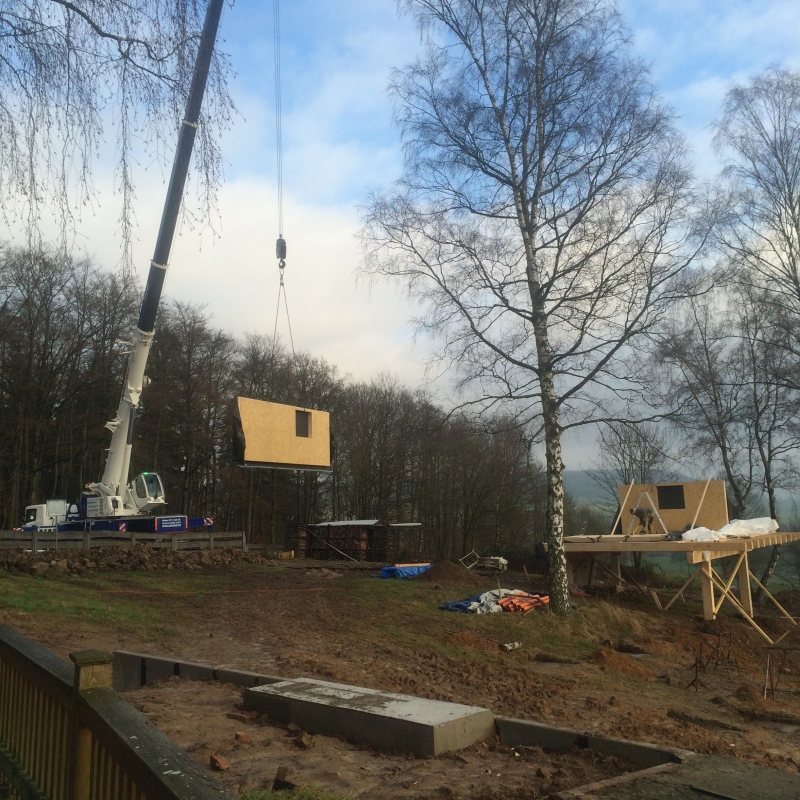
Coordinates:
(735, 528)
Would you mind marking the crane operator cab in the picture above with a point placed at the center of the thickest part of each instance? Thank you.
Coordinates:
(141, 496)
(147, 491)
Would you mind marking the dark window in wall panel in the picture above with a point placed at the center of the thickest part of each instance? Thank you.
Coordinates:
(670, 497)
(302, 424)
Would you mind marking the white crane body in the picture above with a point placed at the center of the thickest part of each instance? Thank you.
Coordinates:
(113, 503)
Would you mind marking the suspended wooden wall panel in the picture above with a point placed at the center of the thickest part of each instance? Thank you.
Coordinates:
(277, 436)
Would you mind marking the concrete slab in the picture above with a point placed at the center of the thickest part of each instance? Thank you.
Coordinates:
(392, 722)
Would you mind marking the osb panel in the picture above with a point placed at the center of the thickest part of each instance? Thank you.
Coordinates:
(270, 438)
(713, 513)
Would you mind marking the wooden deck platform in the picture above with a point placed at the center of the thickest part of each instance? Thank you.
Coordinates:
(584, 560)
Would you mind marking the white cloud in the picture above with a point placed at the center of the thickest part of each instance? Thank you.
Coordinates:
(339, 141)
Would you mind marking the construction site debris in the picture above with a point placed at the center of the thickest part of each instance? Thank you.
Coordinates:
(472, 559)
(218, 762)
(496, 601)
(736, 528)
(404, 570)
(280, 783)
(47, 564)
(522, 601)
(304, 741)
(509, 646)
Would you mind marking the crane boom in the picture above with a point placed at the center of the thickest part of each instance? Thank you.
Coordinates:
(113, 495)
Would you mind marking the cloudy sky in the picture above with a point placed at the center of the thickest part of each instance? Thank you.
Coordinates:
(339, 142)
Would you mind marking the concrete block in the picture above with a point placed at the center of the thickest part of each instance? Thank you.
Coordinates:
(126, 671)
(159, 669)
(191, 671)
(520, 732)
(241, 677)
(392, 722)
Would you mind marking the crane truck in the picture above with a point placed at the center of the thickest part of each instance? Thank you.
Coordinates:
(113, 503)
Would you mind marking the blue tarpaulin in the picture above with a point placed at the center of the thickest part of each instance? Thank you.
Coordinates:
(401, 571)
(461, 605)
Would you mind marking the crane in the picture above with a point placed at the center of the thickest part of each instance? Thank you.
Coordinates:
(113, 503)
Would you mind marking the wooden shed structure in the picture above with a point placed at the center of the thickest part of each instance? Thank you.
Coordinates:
(355, 539)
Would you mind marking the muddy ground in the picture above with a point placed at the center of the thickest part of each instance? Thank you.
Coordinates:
(616, 667)
(195, 716)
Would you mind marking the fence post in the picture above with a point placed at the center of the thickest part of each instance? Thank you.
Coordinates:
(86, 542)
(211, 541)
(133, 539)
(34, 542)
(92, 671)
(244, 541)
(175, 541)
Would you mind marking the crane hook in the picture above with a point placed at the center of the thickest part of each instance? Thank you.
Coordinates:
(280, 252)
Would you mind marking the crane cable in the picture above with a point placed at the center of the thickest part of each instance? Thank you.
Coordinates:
(280, 245)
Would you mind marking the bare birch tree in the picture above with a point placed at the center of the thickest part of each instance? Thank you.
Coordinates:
(759, 137)
(702, 380)
(72, 69)
(773, 406)
(631, 453)
(543, 215)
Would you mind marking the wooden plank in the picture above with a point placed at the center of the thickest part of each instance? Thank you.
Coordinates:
(634, 546)
(698, 556)
(681, 590)
(728, 585)
(622, 508)
(715, 578)
(700, 504)
(769, 595)
(622, 544)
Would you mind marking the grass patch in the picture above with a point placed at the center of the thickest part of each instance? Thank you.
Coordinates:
(128, 601)
(407, 613)
(69, 599)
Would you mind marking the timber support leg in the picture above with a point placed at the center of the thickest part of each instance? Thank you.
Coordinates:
(707, 585)
(743, 579)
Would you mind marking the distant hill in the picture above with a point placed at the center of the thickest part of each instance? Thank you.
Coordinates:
(580, 486)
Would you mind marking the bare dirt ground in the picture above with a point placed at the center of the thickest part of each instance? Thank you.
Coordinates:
(194, 716)
(332, 622)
